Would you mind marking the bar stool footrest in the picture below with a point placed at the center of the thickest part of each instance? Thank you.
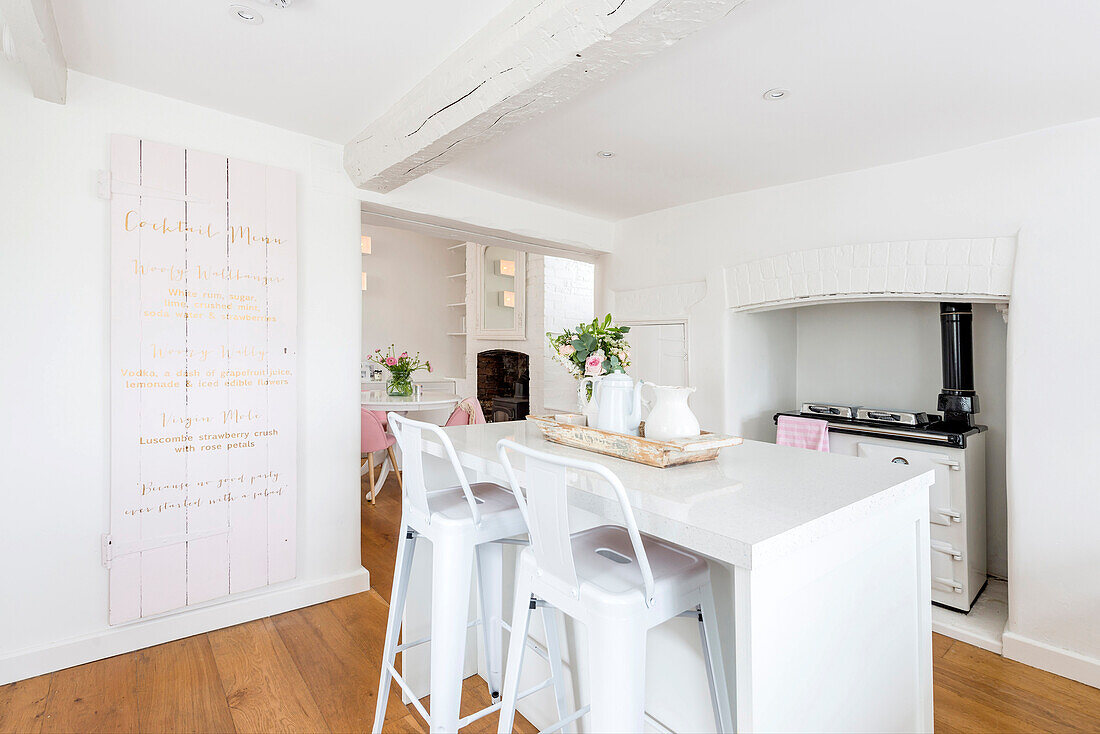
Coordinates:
(490, 709)
(531, 644)
(656, 724)
(392, 672)
(567, 720)
(424, 640)
(397, 677)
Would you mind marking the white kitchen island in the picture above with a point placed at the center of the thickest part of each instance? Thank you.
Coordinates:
(821, 572)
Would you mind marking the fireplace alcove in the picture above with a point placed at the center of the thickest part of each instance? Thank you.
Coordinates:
(503, 381)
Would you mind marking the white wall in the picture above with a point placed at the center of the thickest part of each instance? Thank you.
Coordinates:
(54, 252)
(887, 355)
(569, 301)
(406, 299)
(1045, 186)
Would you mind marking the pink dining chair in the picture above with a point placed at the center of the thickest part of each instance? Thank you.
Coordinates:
(381, 416)
(373, 437)
(466, 413)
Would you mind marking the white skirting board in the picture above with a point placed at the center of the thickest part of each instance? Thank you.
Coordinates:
(30, 662)
(1059, 661)
(986, 627)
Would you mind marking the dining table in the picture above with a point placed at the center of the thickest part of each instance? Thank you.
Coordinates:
(403, 404)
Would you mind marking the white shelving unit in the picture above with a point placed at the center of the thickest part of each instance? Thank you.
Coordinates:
(456, 318)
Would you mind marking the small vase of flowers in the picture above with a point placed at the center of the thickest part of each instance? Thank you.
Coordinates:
(401, 368)
(591, 350)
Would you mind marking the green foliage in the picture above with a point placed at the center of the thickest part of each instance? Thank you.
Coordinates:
(602, 341)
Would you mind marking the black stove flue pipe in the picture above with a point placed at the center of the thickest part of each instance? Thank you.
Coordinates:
(957, 401)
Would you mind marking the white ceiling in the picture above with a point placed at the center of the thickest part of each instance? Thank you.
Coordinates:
(872, 82)
(322, 67)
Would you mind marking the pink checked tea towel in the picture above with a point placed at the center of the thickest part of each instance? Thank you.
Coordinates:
(803, 433)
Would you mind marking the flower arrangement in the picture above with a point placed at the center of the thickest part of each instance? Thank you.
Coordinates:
(590, 350)
(401, 368)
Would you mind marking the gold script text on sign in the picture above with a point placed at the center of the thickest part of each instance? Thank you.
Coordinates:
(243, 233)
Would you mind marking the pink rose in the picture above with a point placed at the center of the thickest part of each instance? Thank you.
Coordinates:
(593, 366)
(404, 354)
(391, 361)
(566, 350)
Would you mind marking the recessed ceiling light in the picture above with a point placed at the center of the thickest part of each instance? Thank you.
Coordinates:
(605, 154)
(773, 94)
(246, 14)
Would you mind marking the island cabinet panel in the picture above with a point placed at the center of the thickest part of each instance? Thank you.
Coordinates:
(833, 625)
(203, 394)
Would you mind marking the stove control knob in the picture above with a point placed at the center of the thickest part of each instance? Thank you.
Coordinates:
(899, 460)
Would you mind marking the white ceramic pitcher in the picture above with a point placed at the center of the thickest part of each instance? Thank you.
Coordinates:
(588, 406)
(620, 408)
(671, 417)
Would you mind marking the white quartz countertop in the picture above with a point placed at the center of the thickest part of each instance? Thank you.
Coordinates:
(755, 501)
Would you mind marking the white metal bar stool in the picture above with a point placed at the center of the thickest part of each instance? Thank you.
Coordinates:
(614, 580)
(465, 524)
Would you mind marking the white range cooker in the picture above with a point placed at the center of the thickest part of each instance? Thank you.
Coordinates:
(949, 444)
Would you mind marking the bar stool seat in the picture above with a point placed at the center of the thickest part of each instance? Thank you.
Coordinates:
(607, 567)
(492, 500)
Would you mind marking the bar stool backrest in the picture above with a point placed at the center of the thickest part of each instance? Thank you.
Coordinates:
(409, 435)
(546, 510)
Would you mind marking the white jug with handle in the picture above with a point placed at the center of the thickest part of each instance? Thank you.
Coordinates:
(588, 406)
(620, 404)
(671, 417)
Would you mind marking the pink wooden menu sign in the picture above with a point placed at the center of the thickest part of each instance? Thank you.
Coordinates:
(203, 397)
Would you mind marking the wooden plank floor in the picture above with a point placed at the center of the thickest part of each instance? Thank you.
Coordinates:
(316, 670)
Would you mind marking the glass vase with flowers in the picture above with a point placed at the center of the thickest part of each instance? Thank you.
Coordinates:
(401, 368)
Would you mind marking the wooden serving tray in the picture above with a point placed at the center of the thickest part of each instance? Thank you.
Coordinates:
(640, 449)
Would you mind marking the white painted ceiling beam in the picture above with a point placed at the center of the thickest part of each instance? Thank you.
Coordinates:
(533, 56)
(38, 46)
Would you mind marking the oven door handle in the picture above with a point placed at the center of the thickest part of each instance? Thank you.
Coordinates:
(947, 549)
(955, 515)
(950, 583)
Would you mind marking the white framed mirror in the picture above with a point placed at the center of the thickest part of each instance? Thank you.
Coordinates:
(500, 292)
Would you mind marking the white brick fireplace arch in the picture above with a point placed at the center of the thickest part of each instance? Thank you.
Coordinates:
(971, 270)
